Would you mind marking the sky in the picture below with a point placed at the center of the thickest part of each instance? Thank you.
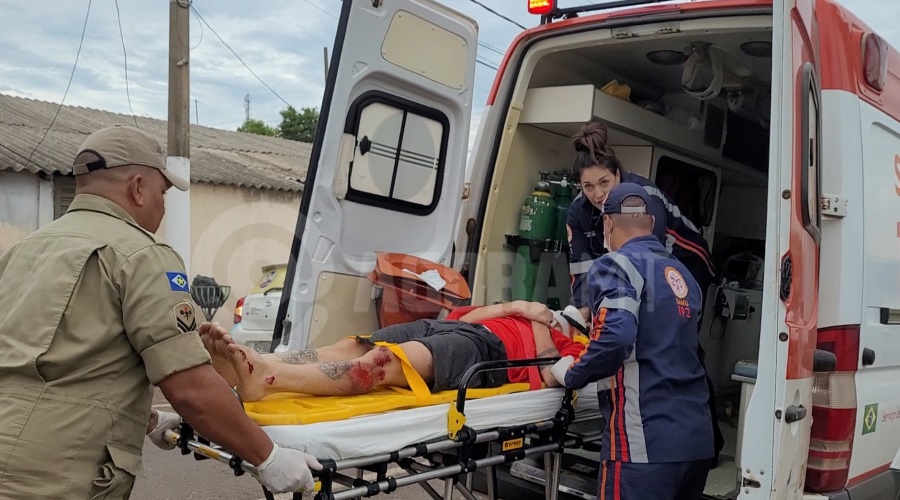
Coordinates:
(280, 40)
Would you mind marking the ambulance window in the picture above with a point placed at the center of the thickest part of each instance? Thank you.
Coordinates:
(692, 188)
(811, 148)
(400, 152)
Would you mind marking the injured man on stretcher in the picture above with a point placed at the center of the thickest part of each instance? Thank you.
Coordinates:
(440, 351)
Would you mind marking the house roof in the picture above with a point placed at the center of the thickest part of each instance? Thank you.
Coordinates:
(217, 156)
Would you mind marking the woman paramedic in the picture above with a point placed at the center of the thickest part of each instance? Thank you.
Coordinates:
(598, 170)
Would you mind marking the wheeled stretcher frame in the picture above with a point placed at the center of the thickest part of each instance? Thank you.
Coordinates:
(471, 451)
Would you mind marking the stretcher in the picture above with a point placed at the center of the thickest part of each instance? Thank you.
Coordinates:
(445, 440)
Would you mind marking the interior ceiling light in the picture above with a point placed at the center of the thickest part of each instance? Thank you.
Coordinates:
(757, 48)
(666, 57)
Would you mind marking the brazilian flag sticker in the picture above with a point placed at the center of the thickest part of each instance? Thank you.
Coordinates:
(870, 418)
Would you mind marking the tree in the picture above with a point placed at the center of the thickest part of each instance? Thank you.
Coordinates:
(257, 127)
(299, 126)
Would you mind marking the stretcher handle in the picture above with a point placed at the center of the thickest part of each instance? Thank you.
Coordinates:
(488, 366)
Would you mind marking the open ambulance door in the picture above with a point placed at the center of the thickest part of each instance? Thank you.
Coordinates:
(779, 416)
(387, 166)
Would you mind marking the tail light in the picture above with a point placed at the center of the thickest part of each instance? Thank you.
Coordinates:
(834, 412)
(237, 310)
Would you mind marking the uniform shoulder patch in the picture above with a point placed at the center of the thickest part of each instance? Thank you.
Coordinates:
(185, 319)
(676, 282)
(177, 281)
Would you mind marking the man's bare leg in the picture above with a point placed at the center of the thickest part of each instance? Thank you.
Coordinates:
(341, 350)
(258, 376)
(215, 339)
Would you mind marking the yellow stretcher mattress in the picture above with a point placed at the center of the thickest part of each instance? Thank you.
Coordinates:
(294, 409)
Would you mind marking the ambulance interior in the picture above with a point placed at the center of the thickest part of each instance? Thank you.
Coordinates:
(699, 132)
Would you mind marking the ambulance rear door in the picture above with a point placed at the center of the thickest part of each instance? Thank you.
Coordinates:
(387, 167)
(779, 415)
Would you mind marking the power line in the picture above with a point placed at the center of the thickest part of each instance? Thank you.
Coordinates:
(201, 33)
(125, 53)
(72, 76)
(486, 64)
(491, 48)
(238, 57)
(494, 12)
(321, 9)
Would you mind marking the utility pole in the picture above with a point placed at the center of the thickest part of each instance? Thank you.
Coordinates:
(197, 111)
(178, 145)
(246, 108)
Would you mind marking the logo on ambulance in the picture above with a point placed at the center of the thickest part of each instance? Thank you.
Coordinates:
(676, 282)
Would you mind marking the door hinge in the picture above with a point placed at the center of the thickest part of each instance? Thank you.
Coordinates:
(466, 188)
(834, 205)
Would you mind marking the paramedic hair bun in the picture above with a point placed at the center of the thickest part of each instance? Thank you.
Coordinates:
(593, 139)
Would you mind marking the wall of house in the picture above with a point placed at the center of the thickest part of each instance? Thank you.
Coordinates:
(234, 232)
(26, 203)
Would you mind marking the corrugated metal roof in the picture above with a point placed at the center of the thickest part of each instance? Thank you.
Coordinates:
(217, 156)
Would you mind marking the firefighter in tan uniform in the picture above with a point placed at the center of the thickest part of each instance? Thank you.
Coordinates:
(95, 310)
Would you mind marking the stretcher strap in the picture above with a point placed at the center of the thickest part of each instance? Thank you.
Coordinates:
(415, 381)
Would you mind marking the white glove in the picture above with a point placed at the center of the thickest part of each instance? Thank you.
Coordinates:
(560, 368)
(287, 470)
(167, 420)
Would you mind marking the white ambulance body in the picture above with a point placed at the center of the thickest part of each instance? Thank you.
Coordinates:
(780, 138)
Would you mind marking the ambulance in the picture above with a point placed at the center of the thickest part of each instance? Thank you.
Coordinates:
(774, 125)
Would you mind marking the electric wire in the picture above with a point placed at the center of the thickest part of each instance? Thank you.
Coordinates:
(125, 54)
(239, 57)
(71, 77)
(494, 12)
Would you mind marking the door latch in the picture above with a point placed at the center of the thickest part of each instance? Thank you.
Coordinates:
(794, 414)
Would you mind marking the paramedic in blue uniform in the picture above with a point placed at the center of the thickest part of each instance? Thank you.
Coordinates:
(658, 441)
(598, 170)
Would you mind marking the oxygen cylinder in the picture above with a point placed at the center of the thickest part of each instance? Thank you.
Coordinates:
(537, 224)
(558, 281)
(563, 198)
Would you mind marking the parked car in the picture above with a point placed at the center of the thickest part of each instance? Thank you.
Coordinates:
(254, 314)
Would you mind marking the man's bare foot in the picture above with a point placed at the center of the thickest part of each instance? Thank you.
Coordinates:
(212, 335)
(254, 374)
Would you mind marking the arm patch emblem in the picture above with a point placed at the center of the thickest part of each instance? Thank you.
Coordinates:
(185, 319)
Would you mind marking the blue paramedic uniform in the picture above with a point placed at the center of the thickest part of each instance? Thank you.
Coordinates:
(680, 236)
(658, 440)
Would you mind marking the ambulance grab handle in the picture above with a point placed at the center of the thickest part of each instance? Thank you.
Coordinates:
(824, 361)
(794, 414)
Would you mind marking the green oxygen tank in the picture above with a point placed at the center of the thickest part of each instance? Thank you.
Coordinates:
(537, 224)
(563, 197)
(558, 282)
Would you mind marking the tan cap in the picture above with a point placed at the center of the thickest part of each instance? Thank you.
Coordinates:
(118, 146)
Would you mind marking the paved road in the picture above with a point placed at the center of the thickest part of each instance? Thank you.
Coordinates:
(170, 476)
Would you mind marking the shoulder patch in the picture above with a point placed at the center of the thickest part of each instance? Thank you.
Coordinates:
(177, 281)
(185, 319)
(676, 282)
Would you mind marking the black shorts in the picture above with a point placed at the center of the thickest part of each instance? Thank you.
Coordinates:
(455, 347)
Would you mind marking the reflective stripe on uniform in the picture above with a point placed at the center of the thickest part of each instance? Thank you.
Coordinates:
(581, 267)
(623, 303)
(634, 277)
(673, 209)
(634, 425)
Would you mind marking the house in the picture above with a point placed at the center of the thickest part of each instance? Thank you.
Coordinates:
(245, 189)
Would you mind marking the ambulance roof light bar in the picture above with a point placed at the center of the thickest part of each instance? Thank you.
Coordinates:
(549, 11)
